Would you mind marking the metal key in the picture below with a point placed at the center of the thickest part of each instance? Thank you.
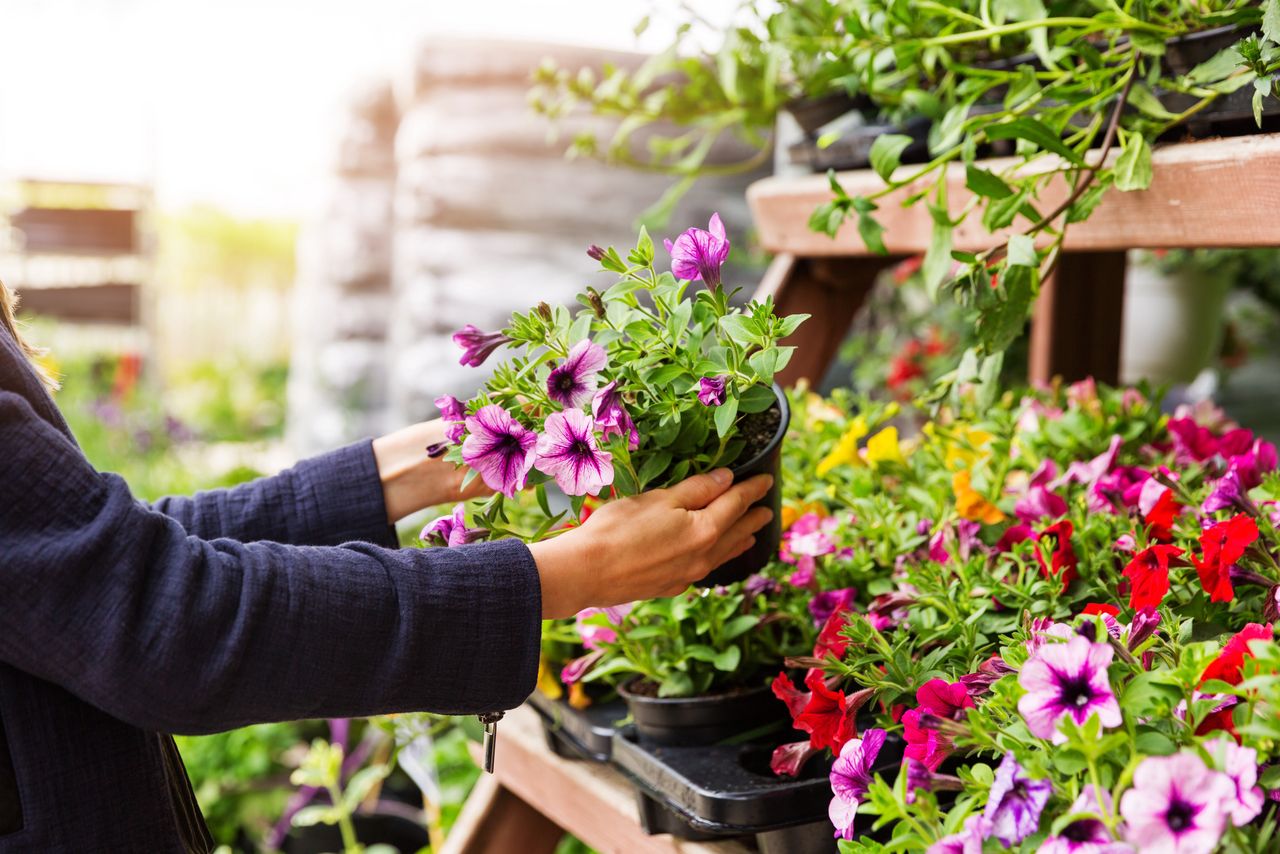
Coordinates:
(490, 721)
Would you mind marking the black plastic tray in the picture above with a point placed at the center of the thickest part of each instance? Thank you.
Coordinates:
(579, 733)
(728, 790)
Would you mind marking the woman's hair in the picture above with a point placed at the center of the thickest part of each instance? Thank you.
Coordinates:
(9, 320)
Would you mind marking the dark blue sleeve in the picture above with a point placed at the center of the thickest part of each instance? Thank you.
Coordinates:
(324, 501)
(118, 604)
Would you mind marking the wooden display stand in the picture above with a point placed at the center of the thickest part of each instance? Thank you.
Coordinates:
(534, 798)
(1215, 193)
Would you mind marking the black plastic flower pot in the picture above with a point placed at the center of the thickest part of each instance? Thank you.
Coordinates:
(579, 733)
(1230, 114)
(676, 721)
(813, 113)
(768, 460)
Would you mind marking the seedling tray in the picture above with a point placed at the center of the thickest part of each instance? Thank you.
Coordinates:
(728, 790)
(579, 733)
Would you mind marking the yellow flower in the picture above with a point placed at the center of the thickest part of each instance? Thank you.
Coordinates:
(578, 698)
(846, 450)
(883, 447)
(969, 502)
(548, 683)
(963, 444)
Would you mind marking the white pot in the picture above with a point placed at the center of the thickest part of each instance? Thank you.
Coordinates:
(1172, 324)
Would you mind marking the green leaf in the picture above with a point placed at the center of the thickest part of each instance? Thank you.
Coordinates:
(644, 245)
(1217, 67)
(1037, 133)
(739, 329)
(790, 324)
(1146, 101)
(872, 233)
(727, 660)
(1022, 251)
(726, 414)
(886, 153)
(654, 465)
(946, 133)
(764, 364)
(738, 625)
(1133, 167)
(985, 183)
(308, 816)
(937, 260)
(758, 398)
(1002, 322)
(1271, 21)
(541, 492)
(361, 784)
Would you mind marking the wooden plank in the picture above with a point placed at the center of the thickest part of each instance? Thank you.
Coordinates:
(593, 802)
(495, 821)
(112, 302)
(1079, 318)
(831, 290)
(1211, 193)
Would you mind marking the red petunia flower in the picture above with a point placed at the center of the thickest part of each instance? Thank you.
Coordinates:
(1223, 544)
(828, 717)
(1097, 608)
(1228, 666)
(1148, 575)
(831, 639)
(1162, 516)
(786, 691)
(1062, 561)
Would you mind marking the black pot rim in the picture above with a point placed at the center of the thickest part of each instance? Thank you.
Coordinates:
(784, 421)
(707, 699)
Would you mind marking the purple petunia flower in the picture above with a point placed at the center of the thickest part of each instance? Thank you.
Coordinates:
(477, 345)
(499, 448)
(1240, 764)
(1064, 679)
(921, 779)
(711, 391)
(573, 382)
(699, 254)
(967, 841)
(451, 530)
(454, 414)
(1085, 835)
(828, 602)
(1142, 627)
(1177, 805)
(1226, 494)
(850, 779)
(579, 667)
(567, 450)
(1015, 802)
(612, 417)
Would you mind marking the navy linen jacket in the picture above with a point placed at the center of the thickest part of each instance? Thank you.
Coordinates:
(122, 622)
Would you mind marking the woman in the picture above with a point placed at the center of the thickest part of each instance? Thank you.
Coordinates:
(121, 622)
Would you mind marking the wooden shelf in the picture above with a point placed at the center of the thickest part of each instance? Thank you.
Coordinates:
(1213, 193)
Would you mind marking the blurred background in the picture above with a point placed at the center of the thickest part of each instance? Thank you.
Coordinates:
(246, 230)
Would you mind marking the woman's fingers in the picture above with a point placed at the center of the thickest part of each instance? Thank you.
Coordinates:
(728, 508)
(694, 493)
(742, 530)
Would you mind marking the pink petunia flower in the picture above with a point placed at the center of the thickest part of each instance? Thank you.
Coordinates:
(1086, 835)
(454, 414)
(567, 450)
(499, 448)
(477, 345)
(1177, 805)
(699, 255)
(451, 530)
(1067, 679)
(1240, 764)
(711, 391)
(574, 381)
(612, 417)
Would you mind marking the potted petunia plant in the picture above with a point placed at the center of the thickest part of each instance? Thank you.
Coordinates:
(643, 385)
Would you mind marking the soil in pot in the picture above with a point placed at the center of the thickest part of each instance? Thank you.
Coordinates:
(713, 718)
(763, 433)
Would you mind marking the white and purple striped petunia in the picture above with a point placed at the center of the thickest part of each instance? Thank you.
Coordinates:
(573, 382)
(851, 777)
(567, 450)
(1177, 804)
(1015, 802)
(499, 448)
(451, 530)
(1064, 679)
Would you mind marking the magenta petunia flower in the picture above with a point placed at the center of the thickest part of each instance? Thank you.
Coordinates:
(567, 450)
(1226, 494)
(828, 602)
(477, 345)
(1040, 501)
(451, 530)
(1259, 460)
(711, 391)
(851, 777)
(1177, 805)
(1015, 802)
(1240, 764)
(941, 699)
(573, 382)
(967, 841)
(612, 417)
(699, 255)
(1085, 835)
(1088, 473)
(1064, 679)
(574, 670)
(499, 448)
(454, 414)
(592, 633)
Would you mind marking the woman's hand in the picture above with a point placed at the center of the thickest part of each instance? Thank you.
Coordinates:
(411, 480)
(649, 545)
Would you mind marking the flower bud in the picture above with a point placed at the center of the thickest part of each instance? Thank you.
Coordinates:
(595, 253)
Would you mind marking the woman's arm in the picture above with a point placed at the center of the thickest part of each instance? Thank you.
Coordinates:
(352, 494)
(119, 605)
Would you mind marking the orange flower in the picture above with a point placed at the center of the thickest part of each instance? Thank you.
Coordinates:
(969, 502)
